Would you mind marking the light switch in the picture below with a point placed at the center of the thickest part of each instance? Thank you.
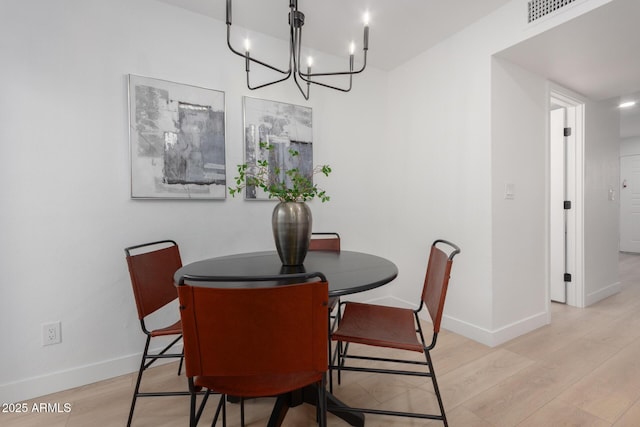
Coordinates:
(509, 191)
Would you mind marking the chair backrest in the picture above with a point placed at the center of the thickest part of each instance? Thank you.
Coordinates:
(151, 267)
(255, 331)
(325, 242)
(436, 280)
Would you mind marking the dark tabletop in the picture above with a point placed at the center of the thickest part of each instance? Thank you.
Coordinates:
(347, 272)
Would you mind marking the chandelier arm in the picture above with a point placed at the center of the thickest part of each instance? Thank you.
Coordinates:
(309, 81)
(296, 21)
(305, 94)
(340, 73)
(266, 84)
(256, 61)
(296, 36)
(288, 73)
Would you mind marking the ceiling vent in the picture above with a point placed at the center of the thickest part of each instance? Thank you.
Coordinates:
(540, 8)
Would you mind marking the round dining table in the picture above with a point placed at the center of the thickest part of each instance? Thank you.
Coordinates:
(346, 272)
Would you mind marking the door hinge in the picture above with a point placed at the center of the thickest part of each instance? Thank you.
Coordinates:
(567, 277)
(567, 131)
(567, 204)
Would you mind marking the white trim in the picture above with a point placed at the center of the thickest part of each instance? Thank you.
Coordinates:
(33, 387)
(603, 293)
(574, 103)
(484, 336)
(493, 338)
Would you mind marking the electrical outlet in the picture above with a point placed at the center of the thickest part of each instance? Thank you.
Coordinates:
(51, 333)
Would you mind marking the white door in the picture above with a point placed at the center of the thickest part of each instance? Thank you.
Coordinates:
(630, 203)
(557, 238)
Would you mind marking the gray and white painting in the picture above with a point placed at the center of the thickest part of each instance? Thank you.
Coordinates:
(284, 126)
(177, 135)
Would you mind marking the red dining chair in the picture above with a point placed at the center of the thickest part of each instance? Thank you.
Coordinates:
(259, 340)
(330, 242)
(399, 328)
(151, 268)
(324, 241)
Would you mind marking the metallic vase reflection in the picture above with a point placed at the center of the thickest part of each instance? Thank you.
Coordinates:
(292, 223)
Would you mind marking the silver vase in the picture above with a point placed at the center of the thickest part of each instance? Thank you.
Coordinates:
(291, 223)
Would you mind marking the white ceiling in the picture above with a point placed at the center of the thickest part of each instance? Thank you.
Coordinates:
(399, 29)
(596, 54)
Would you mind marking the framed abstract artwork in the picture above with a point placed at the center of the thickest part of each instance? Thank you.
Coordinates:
(271, 131)
(177, 140)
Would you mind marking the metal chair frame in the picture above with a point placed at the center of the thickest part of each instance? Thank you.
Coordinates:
(148, 359)
(334, 319)
(340, 366)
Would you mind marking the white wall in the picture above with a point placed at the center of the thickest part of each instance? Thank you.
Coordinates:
(440, 123)
(413, 154)
(456, 114)
(630, 146)
(66, 212)
(601, 214)
(520, 158)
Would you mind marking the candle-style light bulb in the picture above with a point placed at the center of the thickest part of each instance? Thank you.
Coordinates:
(309, 61)
(365, 45)
(247, 47)
(352, 50)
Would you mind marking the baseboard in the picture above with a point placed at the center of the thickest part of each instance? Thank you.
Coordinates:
(487, 337)
(603, 293)
(497, 336)
(33, 387)
(63, 380)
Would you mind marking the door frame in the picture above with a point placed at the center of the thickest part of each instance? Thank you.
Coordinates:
(621, 191)
(574, 106)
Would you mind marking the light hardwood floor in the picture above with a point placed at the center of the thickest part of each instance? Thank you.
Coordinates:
(581, 370)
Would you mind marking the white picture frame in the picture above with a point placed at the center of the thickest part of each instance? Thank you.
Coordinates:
(284, 126)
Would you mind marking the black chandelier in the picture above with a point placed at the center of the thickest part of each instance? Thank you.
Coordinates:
(296, 21)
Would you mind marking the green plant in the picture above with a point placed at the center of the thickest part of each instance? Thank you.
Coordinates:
(293, 186)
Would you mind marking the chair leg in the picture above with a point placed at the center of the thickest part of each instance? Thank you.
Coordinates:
(221, 404)
(138, 381)
(192, 410)
(330, 353)
(181, 362)
(342, 353)
(322, 402)
(224, 413)
(435, 388)
(330, 368)
(242, 411)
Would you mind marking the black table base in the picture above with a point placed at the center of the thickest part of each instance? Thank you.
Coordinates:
(310, 395)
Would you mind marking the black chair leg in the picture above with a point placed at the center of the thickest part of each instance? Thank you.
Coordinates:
(242, 411)
(181, 362)
(220, 408)
(322, 402)
(224, 414)
(436, 389)
(192, 410)
(138, 381)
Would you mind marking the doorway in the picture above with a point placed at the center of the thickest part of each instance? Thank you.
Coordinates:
(565, 199)
(630, 203)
